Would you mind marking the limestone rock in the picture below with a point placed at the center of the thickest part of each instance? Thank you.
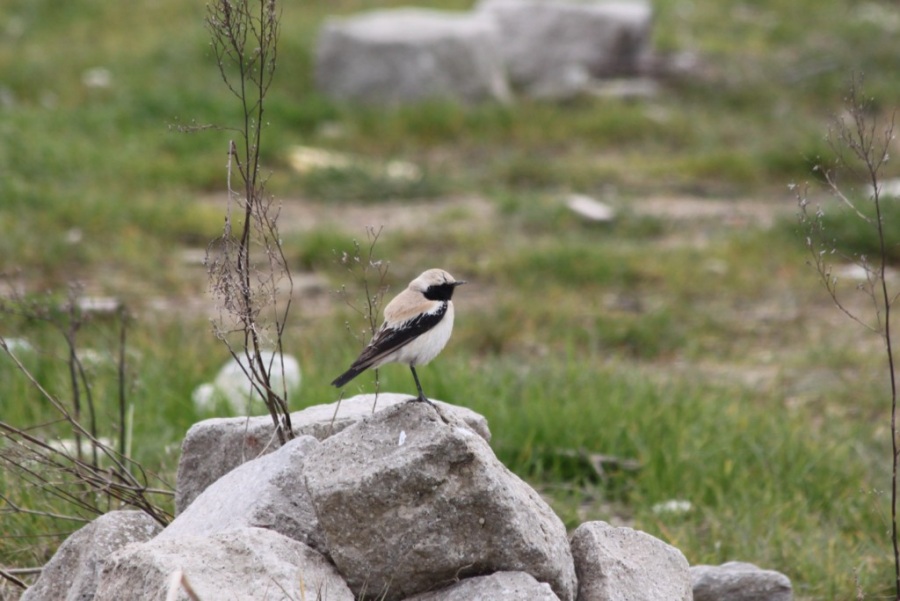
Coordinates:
(240, 565)
(410, 55)
(233, 385)
(617, 564)
(214, 447)
(502, 586)
(554, 44)
(738, 581)
(71, 575)
(408, 502)
(266, 492)
(590, 208)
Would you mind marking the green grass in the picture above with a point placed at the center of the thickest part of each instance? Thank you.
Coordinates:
(701, 348)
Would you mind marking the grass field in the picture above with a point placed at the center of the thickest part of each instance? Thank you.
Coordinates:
(688, 342)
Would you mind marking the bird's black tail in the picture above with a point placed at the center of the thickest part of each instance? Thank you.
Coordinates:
(347, 376)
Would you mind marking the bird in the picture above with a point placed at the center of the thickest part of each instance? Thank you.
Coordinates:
(417, 325)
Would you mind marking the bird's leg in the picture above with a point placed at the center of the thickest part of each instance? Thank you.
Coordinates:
(422, 396)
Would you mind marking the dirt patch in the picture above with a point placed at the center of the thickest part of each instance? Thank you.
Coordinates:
(302, 215)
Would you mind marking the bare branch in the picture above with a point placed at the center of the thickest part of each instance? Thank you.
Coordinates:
(863, 151)
(252, 317)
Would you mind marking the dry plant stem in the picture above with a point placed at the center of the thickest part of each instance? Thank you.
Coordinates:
(119, 482)
(13, 507)
(862, 140)
(7, 575)
(177, 582)
(245, 44)
(862, 151)
(123, 430)
(374, 297)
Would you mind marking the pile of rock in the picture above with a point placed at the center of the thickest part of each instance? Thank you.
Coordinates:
(542, 48)
(395, 504)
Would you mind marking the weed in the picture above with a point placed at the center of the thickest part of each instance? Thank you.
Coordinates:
(862, 148)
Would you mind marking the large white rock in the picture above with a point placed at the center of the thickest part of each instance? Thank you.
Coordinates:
(556, 47)
(214, 447)
(619, 564)
(267, 492)
(410, 55)
(739, 581)
(407, 501)
(502, 586)
(233, 386)
(240, 565)
(71, 575)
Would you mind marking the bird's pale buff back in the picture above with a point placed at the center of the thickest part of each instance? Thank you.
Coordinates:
(417, 325)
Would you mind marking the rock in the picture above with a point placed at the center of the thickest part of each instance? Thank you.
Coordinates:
(246, 564)
(97, 77)
(71, 575)
(410, 55)
(233, 385)
(266, 492)
(589, 208)
(887, 188)
(408, 502)
(502, 586)
(214, 447)
(737, 581)
(621, 563)
(551, 45)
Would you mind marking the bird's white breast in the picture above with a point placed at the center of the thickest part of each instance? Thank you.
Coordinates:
(429, 345)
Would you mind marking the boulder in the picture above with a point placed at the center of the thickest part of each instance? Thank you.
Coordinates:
(246, 564)
(71, 575)
(617, 564)
(266, 492)
(410, 55)
(408, 502)
(502, 586)
(558, 47)
(214, 447)
(738, 581)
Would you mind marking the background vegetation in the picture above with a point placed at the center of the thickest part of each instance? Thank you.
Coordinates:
(687, 344)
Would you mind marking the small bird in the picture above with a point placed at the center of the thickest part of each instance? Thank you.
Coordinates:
(417, 325)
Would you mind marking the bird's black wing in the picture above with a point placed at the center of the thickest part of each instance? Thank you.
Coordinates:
(389, 339)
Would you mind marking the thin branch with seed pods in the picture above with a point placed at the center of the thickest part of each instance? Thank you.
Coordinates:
(254, 297)
(861, 149)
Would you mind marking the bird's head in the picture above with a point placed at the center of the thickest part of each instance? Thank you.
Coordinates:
(436, 284)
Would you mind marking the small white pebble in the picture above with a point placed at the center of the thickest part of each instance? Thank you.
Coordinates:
(402, 438)
(672, 506)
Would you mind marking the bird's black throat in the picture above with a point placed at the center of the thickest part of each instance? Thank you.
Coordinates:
(440, 292)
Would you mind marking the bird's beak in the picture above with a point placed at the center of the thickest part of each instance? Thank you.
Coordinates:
(459, 283)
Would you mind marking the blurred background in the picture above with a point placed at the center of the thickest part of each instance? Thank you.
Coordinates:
(642, 328)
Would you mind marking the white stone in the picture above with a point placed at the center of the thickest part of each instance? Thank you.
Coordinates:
(266, 492)
(72, 573)
(213, 447)
(590, 208)
(410, 55)
(550, 44)
(240, 565)
(501, 586)
(619, 564)
(401, 519)
(739, 581)
(233, 385)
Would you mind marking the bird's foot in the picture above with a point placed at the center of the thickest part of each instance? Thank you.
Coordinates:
(423, 399)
